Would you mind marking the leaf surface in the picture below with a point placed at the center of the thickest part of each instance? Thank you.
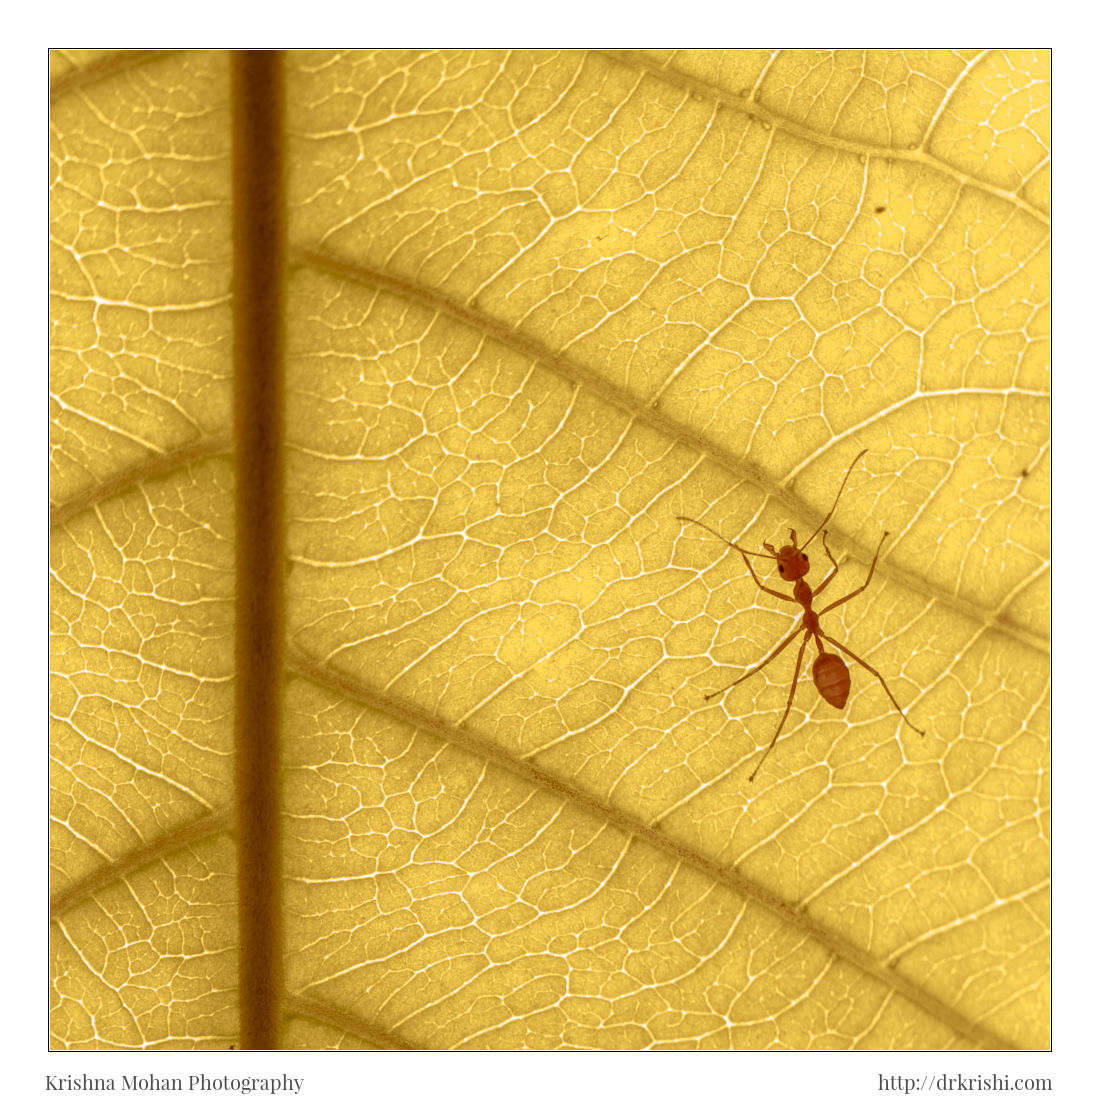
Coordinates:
(537, 307)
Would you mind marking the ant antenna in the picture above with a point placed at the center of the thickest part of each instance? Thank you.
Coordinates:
(837, 500)
(692, 520)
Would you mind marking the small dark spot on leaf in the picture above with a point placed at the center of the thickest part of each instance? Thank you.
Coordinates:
(880, 207)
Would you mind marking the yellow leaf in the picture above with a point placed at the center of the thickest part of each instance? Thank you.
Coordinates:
(535, 307)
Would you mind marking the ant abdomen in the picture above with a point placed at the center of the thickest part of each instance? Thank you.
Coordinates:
(832, 679)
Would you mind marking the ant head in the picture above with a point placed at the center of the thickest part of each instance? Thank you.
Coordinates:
(792, 563)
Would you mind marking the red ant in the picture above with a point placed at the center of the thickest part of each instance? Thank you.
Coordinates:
(830, 671)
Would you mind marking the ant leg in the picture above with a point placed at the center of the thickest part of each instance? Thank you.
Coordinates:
(854, 593)
(867, 667)
(790, 701)
(759, 666)
(760, 585)
(832, 574)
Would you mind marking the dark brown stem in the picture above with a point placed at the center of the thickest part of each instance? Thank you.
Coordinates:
(259, 250)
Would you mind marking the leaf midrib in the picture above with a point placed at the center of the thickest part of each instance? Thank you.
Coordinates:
(259, 382)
